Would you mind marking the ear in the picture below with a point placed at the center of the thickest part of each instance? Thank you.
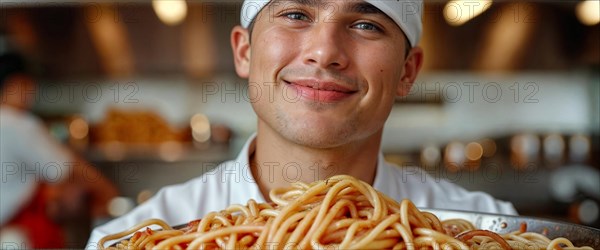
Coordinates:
(240, 44)
(412, 66)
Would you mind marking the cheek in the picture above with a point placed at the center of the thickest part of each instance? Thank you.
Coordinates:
(382, 78)
(382, 72)
(388, 63)
(271, 53)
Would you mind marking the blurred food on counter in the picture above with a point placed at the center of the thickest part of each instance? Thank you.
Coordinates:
(136, 127)
(145, 127)
(138, 134)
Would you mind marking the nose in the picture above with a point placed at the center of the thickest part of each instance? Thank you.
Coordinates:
(325, 47)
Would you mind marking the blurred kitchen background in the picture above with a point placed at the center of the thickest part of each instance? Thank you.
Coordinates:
(508, 100)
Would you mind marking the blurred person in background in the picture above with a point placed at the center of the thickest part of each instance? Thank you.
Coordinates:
(43, 182)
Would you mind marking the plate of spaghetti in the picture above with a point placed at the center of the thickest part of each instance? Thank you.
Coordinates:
(343, 212)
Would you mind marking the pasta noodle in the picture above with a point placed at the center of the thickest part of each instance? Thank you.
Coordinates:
(339, 213)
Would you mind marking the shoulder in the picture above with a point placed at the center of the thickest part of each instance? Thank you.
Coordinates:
(20, 126)
(434, 191)
(14, 119)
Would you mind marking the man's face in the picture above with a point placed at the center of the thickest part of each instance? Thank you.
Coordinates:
(326, 73)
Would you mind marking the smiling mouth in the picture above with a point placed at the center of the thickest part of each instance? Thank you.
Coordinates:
(325, 92)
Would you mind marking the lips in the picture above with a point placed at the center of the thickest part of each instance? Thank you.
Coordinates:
(321, 91)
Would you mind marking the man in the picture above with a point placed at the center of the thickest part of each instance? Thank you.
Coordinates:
(42, 181)
(323, 77)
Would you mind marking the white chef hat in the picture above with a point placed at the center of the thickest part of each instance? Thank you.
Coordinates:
(406, 13)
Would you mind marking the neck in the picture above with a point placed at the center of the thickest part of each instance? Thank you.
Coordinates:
(277, 162)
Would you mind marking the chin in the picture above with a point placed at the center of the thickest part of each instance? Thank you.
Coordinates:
(316, 141)
(319, 137)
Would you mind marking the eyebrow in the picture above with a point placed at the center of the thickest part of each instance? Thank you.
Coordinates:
(308, 2)
(311, 3)
(359, 7)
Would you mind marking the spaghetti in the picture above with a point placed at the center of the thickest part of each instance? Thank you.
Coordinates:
(340, 213)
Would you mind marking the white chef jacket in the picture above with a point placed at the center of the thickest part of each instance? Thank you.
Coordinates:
(232, 183)
(29, 155)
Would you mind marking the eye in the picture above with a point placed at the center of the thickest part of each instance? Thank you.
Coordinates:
(367, 26)
(295, 15)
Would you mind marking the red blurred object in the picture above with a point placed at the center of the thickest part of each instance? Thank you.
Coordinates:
(40, 230)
